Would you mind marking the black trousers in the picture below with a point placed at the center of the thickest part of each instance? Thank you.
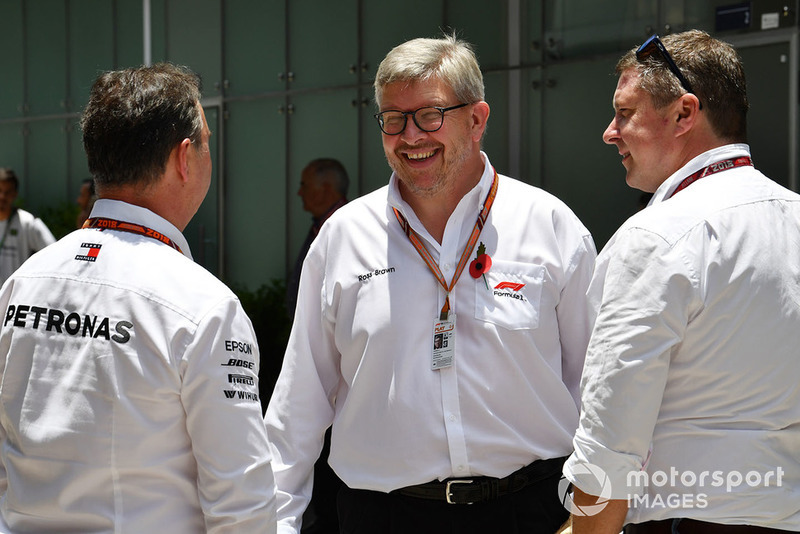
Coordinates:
(535, 509)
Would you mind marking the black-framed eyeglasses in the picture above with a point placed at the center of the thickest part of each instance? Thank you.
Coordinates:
(427, 119)
(653, 45)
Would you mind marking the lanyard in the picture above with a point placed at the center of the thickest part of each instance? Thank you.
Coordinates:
(473, 238)
(713, 169)
(102, 223)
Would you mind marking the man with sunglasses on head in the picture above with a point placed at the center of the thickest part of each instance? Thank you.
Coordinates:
(690, 417)
(468, 434)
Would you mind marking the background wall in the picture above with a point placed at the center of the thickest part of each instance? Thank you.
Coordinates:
(286, 81)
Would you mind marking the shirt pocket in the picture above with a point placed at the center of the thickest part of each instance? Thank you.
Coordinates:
(513, 296)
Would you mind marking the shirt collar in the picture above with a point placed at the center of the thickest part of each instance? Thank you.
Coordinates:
(705, 159)
(123, 211)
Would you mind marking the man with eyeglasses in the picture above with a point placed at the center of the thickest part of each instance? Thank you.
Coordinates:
(690, 417)
(441, 327)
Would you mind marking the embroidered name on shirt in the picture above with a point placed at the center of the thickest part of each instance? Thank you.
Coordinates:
(91, 255)
(376, 273)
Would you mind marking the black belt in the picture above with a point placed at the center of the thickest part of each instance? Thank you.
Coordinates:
(479, 489)
(693, 526)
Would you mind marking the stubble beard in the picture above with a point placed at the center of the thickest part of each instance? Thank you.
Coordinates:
(444, 179)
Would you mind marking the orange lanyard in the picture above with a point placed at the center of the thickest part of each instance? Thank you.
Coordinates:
(102, 223)
(431, 263)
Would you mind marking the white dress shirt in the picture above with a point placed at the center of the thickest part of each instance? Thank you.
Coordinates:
(21, 235)
(360, 351)
(129, 395)
(694, 356)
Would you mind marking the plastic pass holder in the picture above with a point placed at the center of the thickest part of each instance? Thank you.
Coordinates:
(444, 342)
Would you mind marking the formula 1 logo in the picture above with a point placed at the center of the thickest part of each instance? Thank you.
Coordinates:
(509, 285)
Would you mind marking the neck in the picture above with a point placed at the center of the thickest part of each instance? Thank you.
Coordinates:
(434, 210)
(432, 213)
(152, 198)
(699, 141)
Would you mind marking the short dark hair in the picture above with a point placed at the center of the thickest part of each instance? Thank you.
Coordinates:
(90, 183)
(135, 118)
(8, 175)
(714, 71)
(332, 171)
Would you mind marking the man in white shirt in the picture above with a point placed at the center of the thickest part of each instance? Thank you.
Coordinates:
(690, 417)
(496, 268)
(21, 233)
(129, 395)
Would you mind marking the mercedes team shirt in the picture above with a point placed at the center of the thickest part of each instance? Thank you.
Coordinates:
(129, 394)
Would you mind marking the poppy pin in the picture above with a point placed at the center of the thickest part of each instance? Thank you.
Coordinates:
(481, 264)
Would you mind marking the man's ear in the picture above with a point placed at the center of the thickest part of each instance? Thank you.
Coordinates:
(480, 115)
(182, 159)
(687, 109)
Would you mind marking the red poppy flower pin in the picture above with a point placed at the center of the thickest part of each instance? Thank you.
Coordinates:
(481, 264)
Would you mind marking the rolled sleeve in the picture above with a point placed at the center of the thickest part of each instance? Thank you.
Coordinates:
(645, 290)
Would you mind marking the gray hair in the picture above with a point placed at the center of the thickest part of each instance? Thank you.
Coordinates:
(448, 59)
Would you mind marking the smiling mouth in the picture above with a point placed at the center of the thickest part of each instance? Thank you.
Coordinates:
(420, 156)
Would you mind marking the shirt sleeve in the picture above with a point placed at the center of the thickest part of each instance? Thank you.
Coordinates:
(575, 317)
(224, 421)
(645, 290)
(5, 341)
(39, 235)
(301, 407)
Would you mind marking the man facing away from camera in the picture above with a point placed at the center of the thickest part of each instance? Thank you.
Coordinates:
(468, 435)
(690, 415)
(128, 400)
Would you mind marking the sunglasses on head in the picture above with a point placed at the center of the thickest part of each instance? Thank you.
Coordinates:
(654, 45)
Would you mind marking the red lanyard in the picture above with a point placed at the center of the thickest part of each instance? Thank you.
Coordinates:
(713, 169)
(473, 238)
(112, 224)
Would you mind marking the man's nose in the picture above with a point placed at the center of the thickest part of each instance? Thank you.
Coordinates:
(611, 135)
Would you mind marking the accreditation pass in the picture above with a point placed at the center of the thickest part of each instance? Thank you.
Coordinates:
(444, 342)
